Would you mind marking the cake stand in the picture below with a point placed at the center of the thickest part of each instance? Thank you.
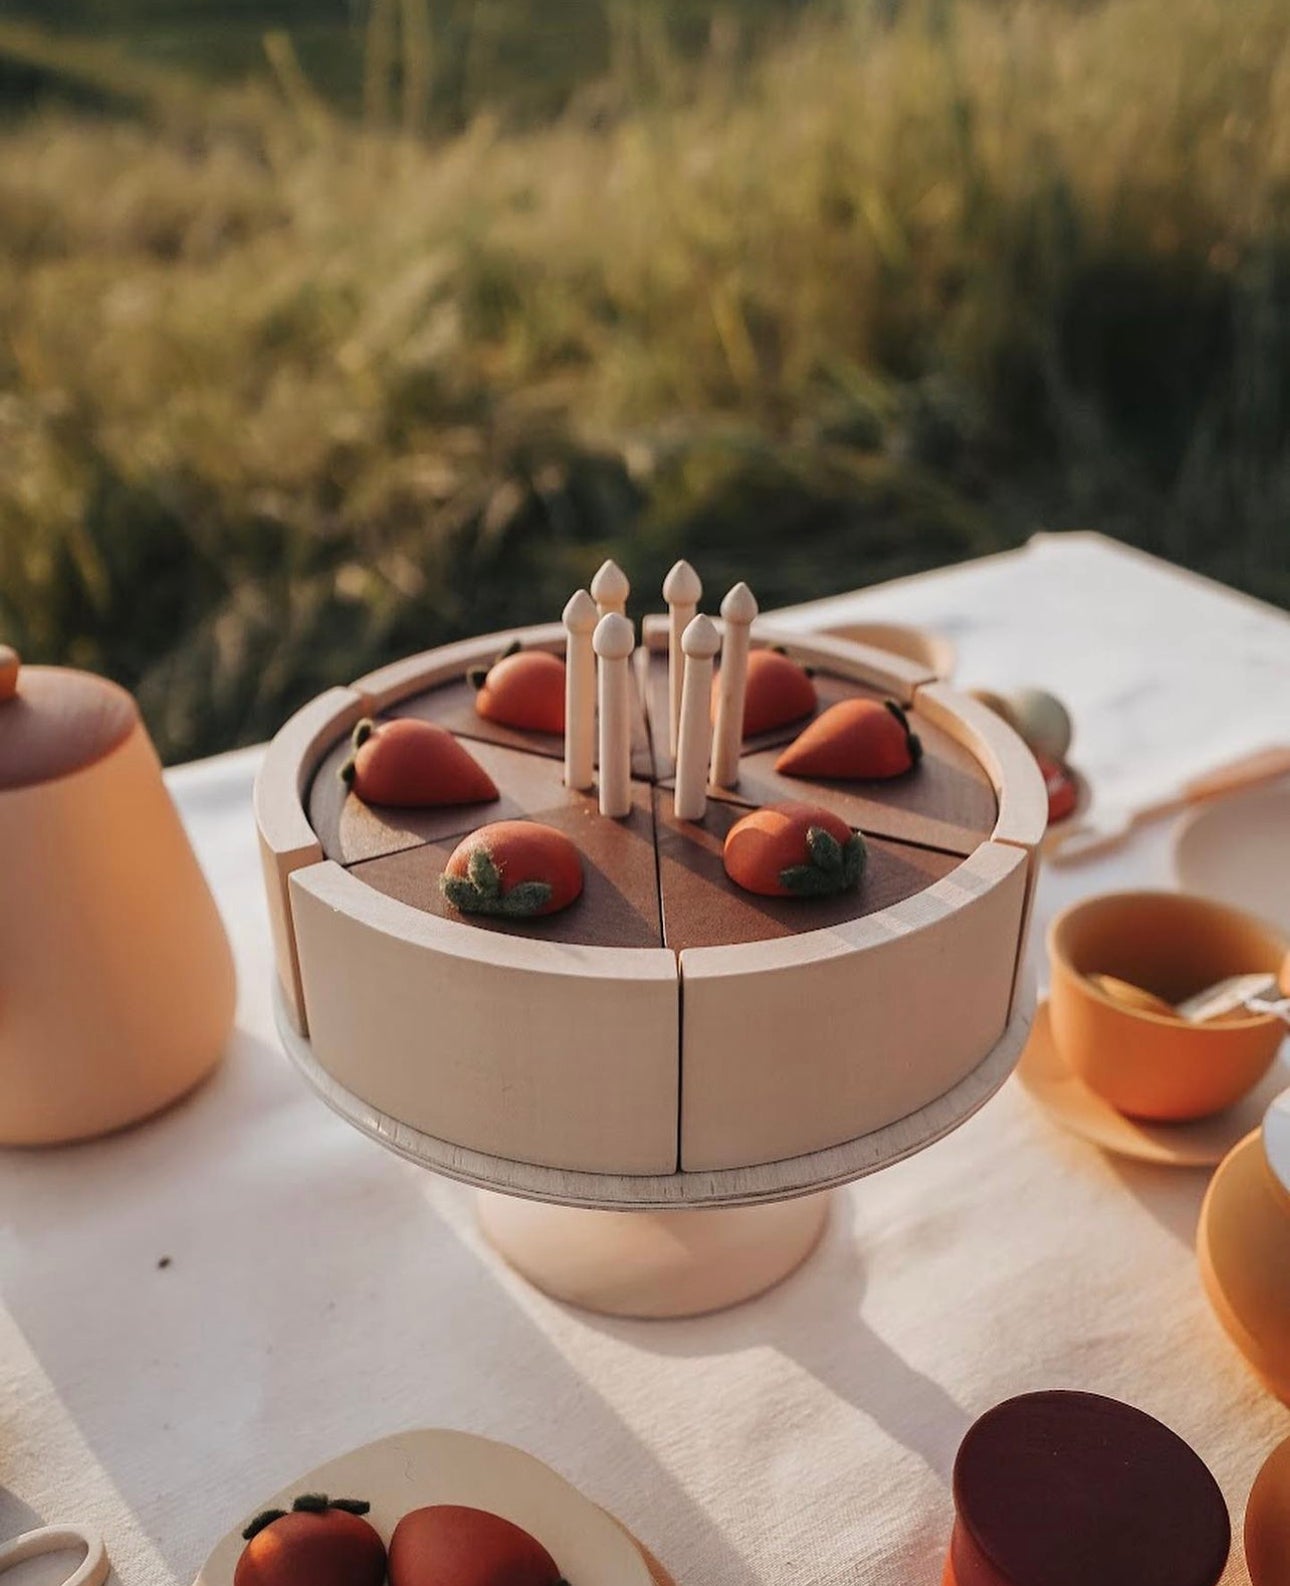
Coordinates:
(675, 1153)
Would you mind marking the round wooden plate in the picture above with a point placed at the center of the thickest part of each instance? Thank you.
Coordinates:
(412, 1469)
(1050, 1080)
(1238, 850)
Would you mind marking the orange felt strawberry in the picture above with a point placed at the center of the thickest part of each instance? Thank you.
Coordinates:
(514, 868)
(855, 740)
(448, 1544)
(322, 1542)
(794, 850)
(778, 691)
(1061, 786)
(412, 764)
(522, 688)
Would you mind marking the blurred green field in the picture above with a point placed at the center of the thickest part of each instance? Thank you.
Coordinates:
(292, 383)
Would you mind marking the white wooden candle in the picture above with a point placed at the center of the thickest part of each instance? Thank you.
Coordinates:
(682, 589)
(610, 589)
(737, 611)
(700, 642)
(580, 692)
(614, 641)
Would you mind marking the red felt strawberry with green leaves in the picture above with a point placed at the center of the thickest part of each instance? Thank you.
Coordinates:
(522, 688)
(410, 764)
(321, 1542)
(854, 740)
(794, 850)
(778, 691)
(449, 1544)
(515, 869)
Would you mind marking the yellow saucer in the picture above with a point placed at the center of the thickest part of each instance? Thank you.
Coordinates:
(1202, 1143)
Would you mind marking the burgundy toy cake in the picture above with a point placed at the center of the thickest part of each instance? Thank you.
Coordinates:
(693, 900)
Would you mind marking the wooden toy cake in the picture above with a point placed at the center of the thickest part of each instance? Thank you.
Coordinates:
(712, 899)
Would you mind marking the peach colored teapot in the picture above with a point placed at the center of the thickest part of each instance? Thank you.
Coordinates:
(116, 981)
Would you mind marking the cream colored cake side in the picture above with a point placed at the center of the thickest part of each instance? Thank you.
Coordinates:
(802, 1043)
(287, 840)
(540, 1051)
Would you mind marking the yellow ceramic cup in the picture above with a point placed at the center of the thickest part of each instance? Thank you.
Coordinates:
(1148, 1065)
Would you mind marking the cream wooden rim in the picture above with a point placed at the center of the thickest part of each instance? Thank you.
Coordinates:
(58, 1539)
(749, 1186)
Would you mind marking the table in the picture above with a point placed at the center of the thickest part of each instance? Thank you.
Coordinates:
(199, 1310)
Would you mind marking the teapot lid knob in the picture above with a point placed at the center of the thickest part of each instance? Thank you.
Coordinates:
(10, 666)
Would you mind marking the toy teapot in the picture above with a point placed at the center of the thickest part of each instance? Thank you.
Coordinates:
(116, 980)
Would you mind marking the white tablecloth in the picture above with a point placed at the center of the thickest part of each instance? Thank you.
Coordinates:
(320, 1292)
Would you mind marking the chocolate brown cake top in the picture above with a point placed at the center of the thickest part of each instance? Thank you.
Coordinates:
(1073, 1489)
(654, 879)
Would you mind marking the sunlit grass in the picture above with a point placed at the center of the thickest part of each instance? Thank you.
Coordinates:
(280, 397)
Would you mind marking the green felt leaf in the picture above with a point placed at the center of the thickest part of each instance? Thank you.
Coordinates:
(485, 874)
(348, 771)
(362, 732)
(824, 848)
(521, 901)
(352, 1505)
(513, 648)
(855, 856)
(463, 894)
(262, 1520)
(312, 1503)
(527, 898)
(833, 867)
(808, 881)
(915, 747)
(477, 676)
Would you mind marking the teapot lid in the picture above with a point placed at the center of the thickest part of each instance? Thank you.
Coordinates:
(54, 720)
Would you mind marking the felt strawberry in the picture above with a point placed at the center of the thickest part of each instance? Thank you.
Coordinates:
(449, 1544)
(778, 691)
(517, 869)
(855, 740)
(412, 763)
(322, 1542)
(794, 850)
(522, 688)
(1061, 787)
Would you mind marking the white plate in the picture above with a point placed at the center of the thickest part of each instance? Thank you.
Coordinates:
(1237, 850)
(413, 1469)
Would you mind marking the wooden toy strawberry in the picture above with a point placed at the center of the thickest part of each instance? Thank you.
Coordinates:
(522, 688)
(449, 1544)
(855, 740)
(794, 850)
(321, 1542)
(1062, 788)
(777, 692)
(412, 764)
(518, 869)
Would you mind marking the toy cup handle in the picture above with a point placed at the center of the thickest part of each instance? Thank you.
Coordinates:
(93, 1569)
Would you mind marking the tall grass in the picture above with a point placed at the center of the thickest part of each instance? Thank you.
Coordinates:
(281, 396)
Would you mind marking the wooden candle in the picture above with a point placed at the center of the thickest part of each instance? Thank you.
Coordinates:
(682, 589)
(700, 642)
(610, 589)
(737, 610)
(614, 641)
(580, 692)
(1073, 1489)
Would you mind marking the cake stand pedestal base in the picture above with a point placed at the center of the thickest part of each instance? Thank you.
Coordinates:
(653, 1263)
